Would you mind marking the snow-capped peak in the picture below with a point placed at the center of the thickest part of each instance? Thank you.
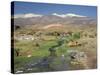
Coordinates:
(74, 15)
(67, 15)
(59, 15)
(29, 15)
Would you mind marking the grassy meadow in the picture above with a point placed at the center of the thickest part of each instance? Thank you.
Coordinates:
(80, 38)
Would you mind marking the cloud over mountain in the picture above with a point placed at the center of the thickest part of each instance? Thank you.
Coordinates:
(29, 15)
(67, 15)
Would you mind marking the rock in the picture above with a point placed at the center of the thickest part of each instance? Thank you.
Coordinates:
(78, 58)
(29, 56)
(77, 55)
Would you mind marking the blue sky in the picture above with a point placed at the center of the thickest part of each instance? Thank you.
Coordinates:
(47, 9)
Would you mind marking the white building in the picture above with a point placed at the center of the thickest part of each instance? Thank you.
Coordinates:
(24, 37)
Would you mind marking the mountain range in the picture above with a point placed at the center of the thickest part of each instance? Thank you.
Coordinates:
(37, 19)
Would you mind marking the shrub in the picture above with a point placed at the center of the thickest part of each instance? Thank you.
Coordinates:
(17, 51)
(76, 35)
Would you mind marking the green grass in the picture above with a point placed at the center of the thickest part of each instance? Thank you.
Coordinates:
(37, 52)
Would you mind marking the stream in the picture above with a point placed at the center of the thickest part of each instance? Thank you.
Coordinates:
(44, 64)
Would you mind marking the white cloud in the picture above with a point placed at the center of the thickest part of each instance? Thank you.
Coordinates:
(29, 15)
(67, 15)
(62, 15)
